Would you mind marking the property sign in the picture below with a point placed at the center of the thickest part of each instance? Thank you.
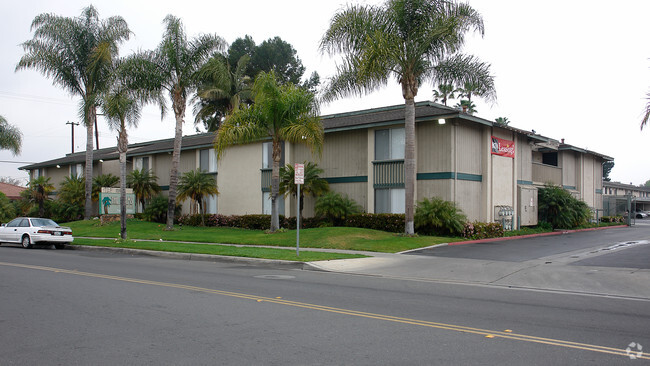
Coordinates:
(503, 147)
(109, 201)
(299, 173)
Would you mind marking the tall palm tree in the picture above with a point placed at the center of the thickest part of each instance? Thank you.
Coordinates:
(144, 185)
(222, 87)
(646, 113)
(37, 192)
(314, 185)
(473, 79)
(444, 92)
(172, 67)
(77, 54)
(121, 107)
(196, 185)
(401, 39)
(10, 137)
(281, 113)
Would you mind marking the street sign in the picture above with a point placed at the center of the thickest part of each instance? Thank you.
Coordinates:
(300, 173)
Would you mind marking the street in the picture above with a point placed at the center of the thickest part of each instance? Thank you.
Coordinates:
(77, 307)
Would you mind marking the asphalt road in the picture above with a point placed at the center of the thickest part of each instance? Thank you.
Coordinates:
(83, 308)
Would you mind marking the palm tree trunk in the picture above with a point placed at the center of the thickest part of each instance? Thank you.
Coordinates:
(275, 185)
(409, 165)
(179, 111)
(90, 122)
(122, 147)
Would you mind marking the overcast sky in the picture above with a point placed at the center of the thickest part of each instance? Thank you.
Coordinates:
(577, 70)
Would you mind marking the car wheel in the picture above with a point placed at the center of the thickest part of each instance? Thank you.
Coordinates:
(639, 216)
(59, 246)
(26, 243)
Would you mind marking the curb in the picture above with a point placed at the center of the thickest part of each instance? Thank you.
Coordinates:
(196, 257)
(563, 232)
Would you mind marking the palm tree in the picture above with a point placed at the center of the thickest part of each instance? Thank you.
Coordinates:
(144, 185)
(314, 185)
(121, 107)
(72, 192)
(404, 39)
(173, 68)
(103, 180)
(10, 137)
(473, 79)
(77, 54)
(646, 114)
(281, 113)
(444, 92)
(221, 89)
(196, 185)
(501, 121)
(37, 192)
(467, 106)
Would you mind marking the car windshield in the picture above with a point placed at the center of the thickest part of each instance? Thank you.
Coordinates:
(43, 222)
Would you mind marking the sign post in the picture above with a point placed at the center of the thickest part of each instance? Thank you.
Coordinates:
(299, 178)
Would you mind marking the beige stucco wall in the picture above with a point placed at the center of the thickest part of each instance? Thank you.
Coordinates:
(239, 180)
(568, 161)
(468, 148)
(524, 153)
(434, 147)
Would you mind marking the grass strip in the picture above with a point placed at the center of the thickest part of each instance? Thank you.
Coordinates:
(226, 250)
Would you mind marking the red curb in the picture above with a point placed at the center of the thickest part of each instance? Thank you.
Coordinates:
(533, 235)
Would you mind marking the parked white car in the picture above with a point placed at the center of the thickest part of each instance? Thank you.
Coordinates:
(32, 230)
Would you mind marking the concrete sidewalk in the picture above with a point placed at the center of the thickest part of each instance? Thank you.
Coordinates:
(547, 274)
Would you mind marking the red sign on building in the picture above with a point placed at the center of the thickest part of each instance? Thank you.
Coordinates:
(503, 147)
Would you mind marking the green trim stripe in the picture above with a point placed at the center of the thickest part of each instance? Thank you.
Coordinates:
(525, 182)
(351, 179)
(599, 191)
(570, 187)
(450, 175)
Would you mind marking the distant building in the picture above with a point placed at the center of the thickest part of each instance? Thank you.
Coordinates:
(615, 197)
(492, 172)
(11, 191)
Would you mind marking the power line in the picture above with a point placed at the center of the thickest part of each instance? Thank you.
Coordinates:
(17, 162)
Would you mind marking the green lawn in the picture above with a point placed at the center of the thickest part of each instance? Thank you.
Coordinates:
(330, 238)
(248, 252)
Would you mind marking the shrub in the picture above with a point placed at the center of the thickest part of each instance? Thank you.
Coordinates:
(482, 230)
(560, 209)
(393, 223)
(156, 211)
(612, 219)
(436, 216)
(335, 207)
(62, 211)
(7, 209)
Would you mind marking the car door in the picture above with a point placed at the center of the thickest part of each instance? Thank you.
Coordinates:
(9, 232)
(23, 227)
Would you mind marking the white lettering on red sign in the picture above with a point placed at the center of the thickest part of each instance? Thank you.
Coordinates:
(299, 170)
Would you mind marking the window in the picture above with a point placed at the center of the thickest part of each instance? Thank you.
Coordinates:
(38, 173)
(267, 155)
(266, 203)
(208, 160)
(141, 163)
(390, 200)
(76, 170)
(389, 144)
(549, 158)
(211, 204)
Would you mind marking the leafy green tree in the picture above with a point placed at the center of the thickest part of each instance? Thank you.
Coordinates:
(197, 185)
(144, 185)
(172, 68)
(402, 39)
(437, 216)
(38, 191)
(314, 185)
(77, 54)
(647, 183)
(222, 88)
(280, 112)
(7, 209)
(10, 137)
(122, 108)
(607, 170)
(336, 207)
(473, 79)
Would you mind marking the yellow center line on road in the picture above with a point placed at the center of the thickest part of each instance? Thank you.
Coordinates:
(458, 328)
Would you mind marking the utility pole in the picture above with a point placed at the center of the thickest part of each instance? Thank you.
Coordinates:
(72, 124)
